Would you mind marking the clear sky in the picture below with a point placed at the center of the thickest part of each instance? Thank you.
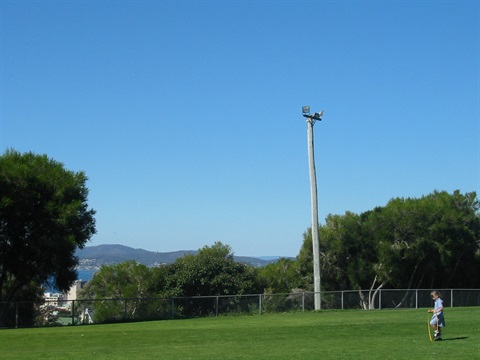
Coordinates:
(186, 115)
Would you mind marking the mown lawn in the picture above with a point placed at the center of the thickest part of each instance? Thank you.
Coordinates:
(376, 334)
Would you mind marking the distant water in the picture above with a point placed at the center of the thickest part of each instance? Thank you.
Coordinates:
(85, 275)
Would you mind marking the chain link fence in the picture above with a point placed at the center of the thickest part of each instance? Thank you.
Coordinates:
(77, 312)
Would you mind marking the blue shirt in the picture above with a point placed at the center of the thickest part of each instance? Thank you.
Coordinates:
(438, 306)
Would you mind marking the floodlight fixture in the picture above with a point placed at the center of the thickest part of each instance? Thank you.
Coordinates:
(311, 117)
(318, 116)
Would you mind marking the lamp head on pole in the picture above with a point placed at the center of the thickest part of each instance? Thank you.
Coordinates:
(306, 113)
(318, 116)
(306, 110)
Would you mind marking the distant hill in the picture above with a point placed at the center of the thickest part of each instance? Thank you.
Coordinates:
(93, 257)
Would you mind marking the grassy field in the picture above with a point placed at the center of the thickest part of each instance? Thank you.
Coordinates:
(376, 334)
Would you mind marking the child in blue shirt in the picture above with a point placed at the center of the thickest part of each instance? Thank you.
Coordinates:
(438, 320)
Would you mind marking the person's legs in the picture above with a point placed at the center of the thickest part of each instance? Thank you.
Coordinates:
(434, 323)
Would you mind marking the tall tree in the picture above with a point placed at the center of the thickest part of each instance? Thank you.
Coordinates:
(212, 271)
(343, 250)
(44, 219)
(430, 242)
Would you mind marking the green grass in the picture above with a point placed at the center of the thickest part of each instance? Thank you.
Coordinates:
(376, 334)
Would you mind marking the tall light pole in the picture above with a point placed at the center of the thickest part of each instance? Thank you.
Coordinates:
(311, 119)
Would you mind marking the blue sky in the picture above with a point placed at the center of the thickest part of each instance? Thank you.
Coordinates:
(186, 115)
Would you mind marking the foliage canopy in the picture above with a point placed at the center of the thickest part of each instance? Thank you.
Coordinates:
(212, 271)
(429, 242)
(44, 218)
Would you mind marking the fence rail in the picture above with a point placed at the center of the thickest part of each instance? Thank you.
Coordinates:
(76, 312)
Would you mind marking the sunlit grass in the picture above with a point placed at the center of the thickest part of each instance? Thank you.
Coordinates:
(376, 334)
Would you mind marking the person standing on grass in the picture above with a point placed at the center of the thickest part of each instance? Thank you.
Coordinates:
(438, 320)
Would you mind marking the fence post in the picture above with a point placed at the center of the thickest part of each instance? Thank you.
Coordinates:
(416, 298)
(260, 304)
(73, 312)
(303, 301)
(451, 297)
(216, 306)
(342, 299)
(380, 300)
(16, 315)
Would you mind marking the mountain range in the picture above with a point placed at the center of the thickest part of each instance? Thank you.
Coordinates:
(93, 257)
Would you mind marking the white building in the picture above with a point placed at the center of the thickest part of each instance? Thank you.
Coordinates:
(54, 299)
(74, 290)
(64, 299)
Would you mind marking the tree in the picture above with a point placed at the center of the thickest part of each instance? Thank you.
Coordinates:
(211, 272)
(347, 257)
(430, 242)
(44, 219)
(282, 276)
(127, 281)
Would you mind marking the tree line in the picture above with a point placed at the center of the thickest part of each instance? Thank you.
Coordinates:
(414, 243)
(427, 242)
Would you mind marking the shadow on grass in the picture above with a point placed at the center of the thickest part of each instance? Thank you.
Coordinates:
(457, 338)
